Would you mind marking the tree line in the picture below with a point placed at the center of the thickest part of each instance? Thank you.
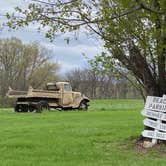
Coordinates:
(101, 86)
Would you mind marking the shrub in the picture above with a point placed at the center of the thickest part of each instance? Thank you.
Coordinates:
(7, 102)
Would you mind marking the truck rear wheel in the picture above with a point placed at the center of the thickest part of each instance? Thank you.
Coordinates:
(32, 108)
(21, 108)
(18, 108)
(41, 106)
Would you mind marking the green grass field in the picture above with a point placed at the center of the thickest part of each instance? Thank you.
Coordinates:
(105, 135)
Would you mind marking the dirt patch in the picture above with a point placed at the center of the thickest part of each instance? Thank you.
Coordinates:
(160, 147)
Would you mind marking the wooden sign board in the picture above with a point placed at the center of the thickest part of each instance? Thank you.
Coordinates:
(154, 134)
(155, 108)
(154, 124)
(156, 103)
(154, 114)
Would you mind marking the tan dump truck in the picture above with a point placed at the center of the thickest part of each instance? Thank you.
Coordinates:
(56, 95)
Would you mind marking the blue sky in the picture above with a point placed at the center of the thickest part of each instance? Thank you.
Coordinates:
(69, 56)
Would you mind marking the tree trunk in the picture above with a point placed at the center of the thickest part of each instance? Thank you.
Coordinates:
(137, 64)
(160, 24)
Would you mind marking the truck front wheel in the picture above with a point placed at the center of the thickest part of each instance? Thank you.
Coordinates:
(83, 106)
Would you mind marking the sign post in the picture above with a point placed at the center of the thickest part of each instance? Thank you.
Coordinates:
(155, 113)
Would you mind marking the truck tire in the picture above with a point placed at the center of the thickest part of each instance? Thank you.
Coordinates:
(21, 108)
(41, 106)
(25, 108)
(32, 108)
(18, 108)
(83, 106)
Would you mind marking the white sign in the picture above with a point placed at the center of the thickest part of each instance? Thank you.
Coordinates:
(155, 108)
(154, 134)
(154, 114)
(154, 124)
(156, 103)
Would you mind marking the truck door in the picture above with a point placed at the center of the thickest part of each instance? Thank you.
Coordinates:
(67, 95)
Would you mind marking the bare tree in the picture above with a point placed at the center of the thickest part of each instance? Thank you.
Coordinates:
(101, 86)
(24, 64)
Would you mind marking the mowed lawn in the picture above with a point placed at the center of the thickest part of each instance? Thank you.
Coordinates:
(104, 135)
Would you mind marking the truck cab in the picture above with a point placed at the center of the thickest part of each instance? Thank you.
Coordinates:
(69, 98)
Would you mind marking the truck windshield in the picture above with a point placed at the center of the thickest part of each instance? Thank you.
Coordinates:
(67, 87)
(52, 88)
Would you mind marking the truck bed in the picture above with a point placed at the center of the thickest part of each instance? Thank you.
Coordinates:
(33, 93)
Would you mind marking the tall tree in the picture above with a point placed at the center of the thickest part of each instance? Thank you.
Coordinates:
(21, 65)
(133, 31)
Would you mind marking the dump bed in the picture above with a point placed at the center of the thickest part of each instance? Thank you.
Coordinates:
(33, 93)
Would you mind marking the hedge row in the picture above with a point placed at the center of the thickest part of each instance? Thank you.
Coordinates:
(7, 102)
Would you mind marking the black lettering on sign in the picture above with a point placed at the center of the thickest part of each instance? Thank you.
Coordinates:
(153, 106)
(164, 101)
(150, 134)
(160, 115)
(165, 116)
(151, 123)
(155, 100)
(159, 100)
(160, 135)
(163, 127)
(164, 107)
(150, 105)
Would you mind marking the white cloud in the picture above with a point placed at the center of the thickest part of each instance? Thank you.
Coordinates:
(70, 57)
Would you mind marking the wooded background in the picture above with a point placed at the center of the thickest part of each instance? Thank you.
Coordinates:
(101, 86)
(23, 65)
(133, 33)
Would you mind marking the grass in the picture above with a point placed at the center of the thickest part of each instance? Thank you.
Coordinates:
(105, 135)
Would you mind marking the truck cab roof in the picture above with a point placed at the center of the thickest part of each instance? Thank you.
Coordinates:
(56, 86)
(57, 83)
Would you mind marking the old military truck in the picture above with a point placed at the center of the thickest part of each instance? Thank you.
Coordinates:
(55, 95)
